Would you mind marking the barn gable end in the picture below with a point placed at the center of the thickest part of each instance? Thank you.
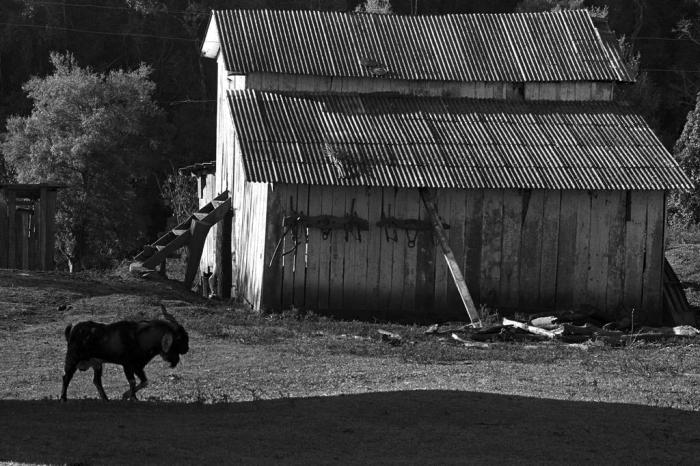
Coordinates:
(330, 124)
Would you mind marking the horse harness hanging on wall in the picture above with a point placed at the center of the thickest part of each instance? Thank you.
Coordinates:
(412, 226)
(350, 223)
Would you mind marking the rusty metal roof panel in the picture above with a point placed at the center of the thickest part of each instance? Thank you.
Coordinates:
(383, 140)
(519, 47)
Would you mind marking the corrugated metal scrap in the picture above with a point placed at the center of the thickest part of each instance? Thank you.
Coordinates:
(380, 140)
(522, 47)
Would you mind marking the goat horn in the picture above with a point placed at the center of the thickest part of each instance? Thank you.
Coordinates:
(167, 315)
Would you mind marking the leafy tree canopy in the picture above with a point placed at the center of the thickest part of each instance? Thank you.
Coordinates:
(100, 135)
(381, 7)
(685, 206)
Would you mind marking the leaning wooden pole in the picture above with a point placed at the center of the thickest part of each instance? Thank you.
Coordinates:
(457, 276)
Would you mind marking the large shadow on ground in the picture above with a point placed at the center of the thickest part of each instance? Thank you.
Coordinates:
(419, 427)
(82, 285)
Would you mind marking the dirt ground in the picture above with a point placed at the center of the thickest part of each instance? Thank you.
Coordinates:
(258, 391)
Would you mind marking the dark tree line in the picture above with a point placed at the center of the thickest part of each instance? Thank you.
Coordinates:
(662, 41)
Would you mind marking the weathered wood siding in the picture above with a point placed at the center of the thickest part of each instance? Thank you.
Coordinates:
(206, 194)
(479, 90)
(27, 231)
(519, 250)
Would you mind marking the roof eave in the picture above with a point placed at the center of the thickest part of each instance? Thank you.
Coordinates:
(211, 44)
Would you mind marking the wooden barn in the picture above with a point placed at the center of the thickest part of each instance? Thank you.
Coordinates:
(334, 129)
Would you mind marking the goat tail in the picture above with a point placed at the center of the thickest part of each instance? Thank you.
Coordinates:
(67, 331)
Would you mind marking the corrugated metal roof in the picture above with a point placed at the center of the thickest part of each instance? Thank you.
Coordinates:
(519, 47)
(380, 140)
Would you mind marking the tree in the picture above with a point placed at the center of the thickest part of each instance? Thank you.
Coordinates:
(685, 206)
(101, 135)
(380, 7)
(534, 6)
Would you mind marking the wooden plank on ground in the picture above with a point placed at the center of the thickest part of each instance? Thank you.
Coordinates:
(473, 242)
(635, 247)
(582, 201)
(531, 248)
(566, 251)
(654, 259)
(614, 293)
(550, 249)
(300, 254)
(455, 272)
(510, 262)
(338, 239)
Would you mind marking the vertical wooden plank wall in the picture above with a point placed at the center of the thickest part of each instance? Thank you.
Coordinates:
(27, 230)
(518, 250)
(4, 230)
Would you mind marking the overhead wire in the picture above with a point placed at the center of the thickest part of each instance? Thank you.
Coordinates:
(185, 39)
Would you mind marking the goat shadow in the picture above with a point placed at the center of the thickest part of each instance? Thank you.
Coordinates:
(417, 427)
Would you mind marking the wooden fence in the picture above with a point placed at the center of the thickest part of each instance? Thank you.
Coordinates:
(27, 226)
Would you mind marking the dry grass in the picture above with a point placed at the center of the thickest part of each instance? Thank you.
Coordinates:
(266, 370)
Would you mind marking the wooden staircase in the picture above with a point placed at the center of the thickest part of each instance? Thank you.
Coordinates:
(192, 233)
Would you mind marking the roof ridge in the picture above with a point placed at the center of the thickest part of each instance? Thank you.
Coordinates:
(465, 48)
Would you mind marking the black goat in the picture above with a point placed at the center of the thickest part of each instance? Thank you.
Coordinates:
(130, 344)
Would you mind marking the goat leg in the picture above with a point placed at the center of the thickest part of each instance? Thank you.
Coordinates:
(131, 392)
(97, 380)
(143, 383)
(70, 368)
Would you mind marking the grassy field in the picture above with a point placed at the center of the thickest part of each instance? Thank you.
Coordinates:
(306, 389)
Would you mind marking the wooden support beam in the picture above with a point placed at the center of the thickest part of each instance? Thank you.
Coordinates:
(198, 232)
(428, 201)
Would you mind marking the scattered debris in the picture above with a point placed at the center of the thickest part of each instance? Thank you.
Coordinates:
(547, 323)
(470, 344)
(528, 328)
(579, 330)
(390, 337)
